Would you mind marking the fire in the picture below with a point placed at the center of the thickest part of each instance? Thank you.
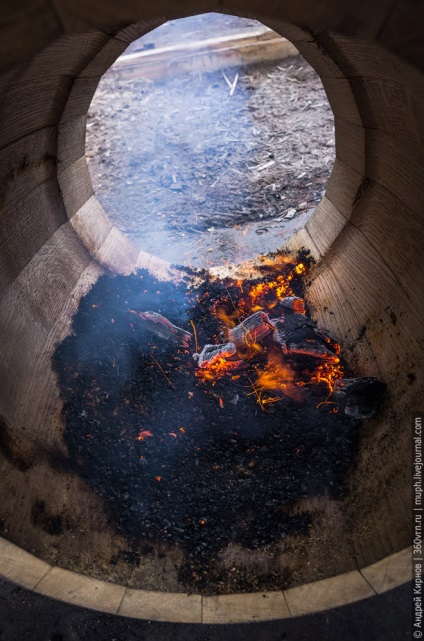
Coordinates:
(300, 269)
(298, 307)
(252, 348)
(217, 370)
(277, 377)
(327, 373)
(266, 295)
(227, 313)
(260, 333)
(262, 296)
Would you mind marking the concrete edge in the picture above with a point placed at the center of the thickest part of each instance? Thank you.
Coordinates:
(30, 572)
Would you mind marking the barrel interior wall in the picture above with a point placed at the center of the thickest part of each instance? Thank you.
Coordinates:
(375, 275)
(55, 241)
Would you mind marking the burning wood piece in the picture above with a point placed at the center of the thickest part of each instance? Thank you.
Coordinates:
(210, 354)
(328, 338)
(296, 321)
(292, 304)
(301, 340)
(251, 330)
(359, 397)
(279, 334)
(310, 347)
(162, 327)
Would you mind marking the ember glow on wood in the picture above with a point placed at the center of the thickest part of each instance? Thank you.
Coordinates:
(210, 354)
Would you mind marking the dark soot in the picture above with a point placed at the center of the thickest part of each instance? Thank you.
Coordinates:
(216, 468)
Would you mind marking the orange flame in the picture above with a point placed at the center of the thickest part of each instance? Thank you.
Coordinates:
(327, 373)
(300, 268)
(225, 311)
(216, 370)
(266, 295)
(277, 377)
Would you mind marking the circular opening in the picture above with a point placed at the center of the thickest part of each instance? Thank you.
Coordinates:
(210, 141)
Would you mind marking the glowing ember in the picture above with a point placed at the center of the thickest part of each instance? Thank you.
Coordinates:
(327, 373)
(144, 434)
(217, 369)
(300, 268)
(293, 304)
(213, 353)
(267, 324)
(266, 295)
(251, 330)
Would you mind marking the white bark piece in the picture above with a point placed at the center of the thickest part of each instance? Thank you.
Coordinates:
(162, 327)
(211, 353)
(251, 330)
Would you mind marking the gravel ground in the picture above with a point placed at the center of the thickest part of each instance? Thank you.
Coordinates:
(196, 175)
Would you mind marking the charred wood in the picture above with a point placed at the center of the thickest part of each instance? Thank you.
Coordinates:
(162, 327)
(252, 330)
(328, 338)
(359, 397)
(293, 321)
(291, 304)
(279, 335)
(301, 340)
